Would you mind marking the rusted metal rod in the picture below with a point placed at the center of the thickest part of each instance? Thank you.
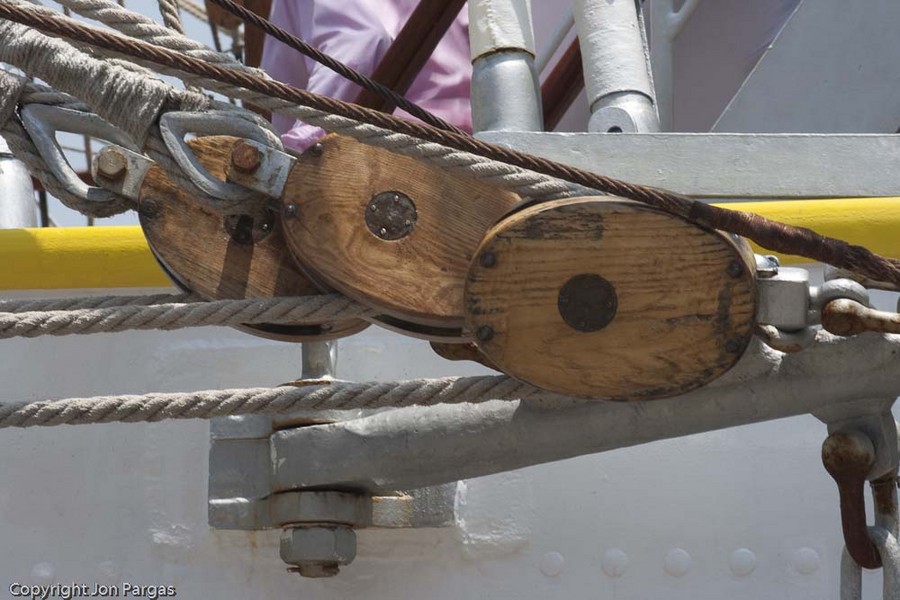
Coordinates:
(848, 457)
(847, 317)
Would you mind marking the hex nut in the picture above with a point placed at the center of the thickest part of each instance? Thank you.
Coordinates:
(318, 545)
(321, 506)
(111, 163)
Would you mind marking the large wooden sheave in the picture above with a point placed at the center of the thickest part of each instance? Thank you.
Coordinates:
(595, 297)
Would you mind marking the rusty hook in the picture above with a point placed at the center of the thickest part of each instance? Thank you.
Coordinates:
(848, 457)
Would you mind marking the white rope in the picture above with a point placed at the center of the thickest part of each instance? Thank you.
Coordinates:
(313, 395)
(524, 182)
(36, 318)
(143, 28)
(125, 98)
(171, 15)
(16, 91)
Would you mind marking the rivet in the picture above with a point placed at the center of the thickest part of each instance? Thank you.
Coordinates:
(805, 561)
(734, 269)
(149, 208)
(742, 562)
(485, 333)
(245, 157)
(290, 211)
(326, 327)
(316, 149)
(552, 564)
(42, 572)
(488, 259)
(733, 346)
(678, 562)
(382, 232)
(615, 562)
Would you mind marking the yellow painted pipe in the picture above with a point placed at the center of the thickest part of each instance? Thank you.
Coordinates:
(870, 222)
(112, 257)
(77, 257)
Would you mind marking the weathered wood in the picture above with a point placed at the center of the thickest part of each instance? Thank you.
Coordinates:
(459, 352)
(610, 299)
(219, 257)
(407, 257)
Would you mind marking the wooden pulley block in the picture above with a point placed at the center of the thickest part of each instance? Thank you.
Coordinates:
(235, 257)
(389, 231)
(610, 299)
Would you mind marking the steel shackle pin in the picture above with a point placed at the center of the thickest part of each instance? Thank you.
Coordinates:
(848, 456)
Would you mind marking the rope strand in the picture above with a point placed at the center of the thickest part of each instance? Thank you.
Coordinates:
(313, 395)
(36, 318)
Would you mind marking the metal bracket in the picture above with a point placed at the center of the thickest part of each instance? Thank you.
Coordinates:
(43, 122)
(174, 126)
(734, 165)
(269, 173)
(121, 171)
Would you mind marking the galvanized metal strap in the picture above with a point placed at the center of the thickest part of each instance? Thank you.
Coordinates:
(851, 573)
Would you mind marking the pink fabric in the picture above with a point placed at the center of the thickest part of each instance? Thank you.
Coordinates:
(358, 33)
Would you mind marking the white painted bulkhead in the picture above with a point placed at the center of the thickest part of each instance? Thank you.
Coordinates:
(743, 513)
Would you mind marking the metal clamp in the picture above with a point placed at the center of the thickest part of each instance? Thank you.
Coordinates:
(174, 126)
(789, 308)
(43, 122)
(121, 171)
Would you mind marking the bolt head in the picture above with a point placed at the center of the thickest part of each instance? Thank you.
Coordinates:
(316, 149)
(149, 208)
(488, 259)
(291, 211)
(319, 547)
(848, 453)
(735, 269)
(245, 157)
(485, 333)
(111, 163)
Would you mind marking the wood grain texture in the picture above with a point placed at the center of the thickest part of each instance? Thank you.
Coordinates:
(419, 278)
(685, 299)
(195, 247)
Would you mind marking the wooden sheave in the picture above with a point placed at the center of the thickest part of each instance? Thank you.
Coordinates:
(389, 231)
(595, 297)
(235, 257)
(606, 298)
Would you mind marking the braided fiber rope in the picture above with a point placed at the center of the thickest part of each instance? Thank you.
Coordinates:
(313, 395)
(769, 234)
(16, 91)
(171, 15)
(36, 318)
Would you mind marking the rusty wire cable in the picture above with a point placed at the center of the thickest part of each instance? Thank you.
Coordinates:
(337, 66)
(779, 237)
